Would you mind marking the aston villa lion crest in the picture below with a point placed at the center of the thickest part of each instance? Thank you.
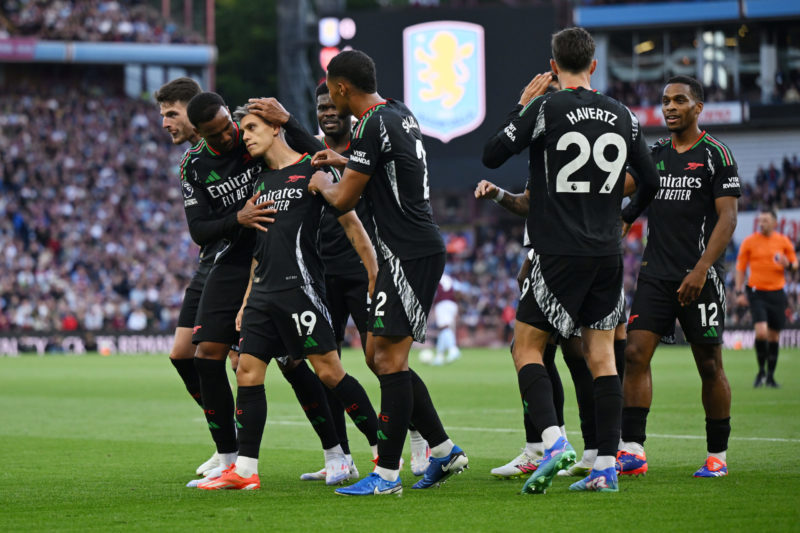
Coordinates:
(444, 77)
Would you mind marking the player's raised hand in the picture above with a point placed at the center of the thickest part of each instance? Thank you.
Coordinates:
(536, 87)
(319, 180)
(486, 190)
(253, 214)
(268, 109)
(328, 158)
(691, 286)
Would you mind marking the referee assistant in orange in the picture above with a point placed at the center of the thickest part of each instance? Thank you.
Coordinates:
(769, 254)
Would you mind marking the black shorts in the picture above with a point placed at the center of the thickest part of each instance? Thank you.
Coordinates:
(294, 322)
(221, 299)
(347, 296)
(403, 296)
(562, 293)
(769, 307)
(191, 298)
(655, 308)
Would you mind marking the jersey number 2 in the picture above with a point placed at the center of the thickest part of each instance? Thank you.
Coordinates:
(426, 190)
(614, 167)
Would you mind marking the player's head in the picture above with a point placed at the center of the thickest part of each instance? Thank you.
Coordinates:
(172, 99)
(573, 51)
(682, 103)
(330, 121)
(259, 136)
(767, 220)
(351, 72)
(212, 120)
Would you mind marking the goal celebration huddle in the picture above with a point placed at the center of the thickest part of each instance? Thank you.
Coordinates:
(299, 233)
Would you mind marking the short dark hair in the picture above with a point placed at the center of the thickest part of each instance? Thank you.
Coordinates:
(769, 210)
(322, 88)
(356, 67)
(573, 49)
(694, 86)
(203, 107)
(178, 90)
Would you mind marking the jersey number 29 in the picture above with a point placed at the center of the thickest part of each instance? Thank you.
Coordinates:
(614, 167)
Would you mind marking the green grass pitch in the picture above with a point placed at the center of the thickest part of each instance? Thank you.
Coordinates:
(108, 443)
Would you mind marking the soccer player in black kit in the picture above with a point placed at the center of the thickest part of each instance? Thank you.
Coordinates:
(690, 224)
(579, 144)
(387, 162)
(286, 311)
(172, 99)
(346, 281)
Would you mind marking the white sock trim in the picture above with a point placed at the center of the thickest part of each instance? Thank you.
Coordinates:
(246, 466)
(388, 475)
(550, 436)
(443, 449)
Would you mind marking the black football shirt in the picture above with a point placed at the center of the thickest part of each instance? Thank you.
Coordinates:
(387, 144)
(683, 214)
(338, 254)
(215, 187)
(580, 143)
(288, 253)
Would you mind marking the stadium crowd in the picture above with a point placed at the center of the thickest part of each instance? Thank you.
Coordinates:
(94, 237)
(89, 20)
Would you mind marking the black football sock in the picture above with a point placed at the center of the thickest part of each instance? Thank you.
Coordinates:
(608, 411)
(619, 357)
(772, 359)
(717, 433)
(537, 396)
(311, 394)
(424, 415)
(217, 403)
(251, 416)
(584, 393)
(634, 424)
(761, 355)
(191, 379)
(532, 435)
(549, 359)
(397, 402)
(357, 405)
(337, 416)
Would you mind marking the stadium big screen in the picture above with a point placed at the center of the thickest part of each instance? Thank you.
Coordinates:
(460, 72)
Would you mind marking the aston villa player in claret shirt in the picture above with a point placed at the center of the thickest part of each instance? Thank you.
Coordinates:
(286, 313)
(690, 223)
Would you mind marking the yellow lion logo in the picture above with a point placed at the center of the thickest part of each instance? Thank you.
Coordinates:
(445, 71)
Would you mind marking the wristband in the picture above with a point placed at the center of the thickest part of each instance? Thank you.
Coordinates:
(500, 194)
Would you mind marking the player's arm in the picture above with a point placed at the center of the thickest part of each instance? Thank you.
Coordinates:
(329, 158)
(358, 237)
(240, 314)
(647, 183)
(514, 203)
(515, 133)
(272, 111)
(630, 185)
(344, 194)
(742, 260)
(692, 284)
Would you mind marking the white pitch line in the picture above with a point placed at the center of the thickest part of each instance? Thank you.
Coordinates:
(515, 430)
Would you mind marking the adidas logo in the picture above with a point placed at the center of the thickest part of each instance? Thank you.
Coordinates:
(378, 323)
(711, 333)
(213, 177)
(310, 343)
(660, 165)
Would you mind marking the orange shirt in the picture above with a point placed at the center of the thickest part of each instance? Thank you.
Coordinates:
(763, 254)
